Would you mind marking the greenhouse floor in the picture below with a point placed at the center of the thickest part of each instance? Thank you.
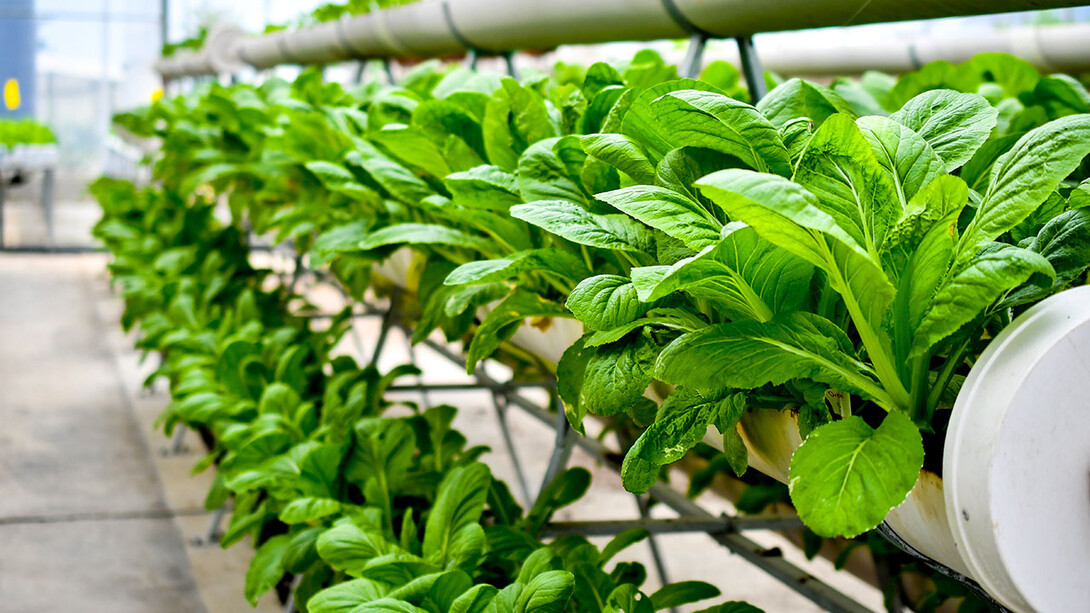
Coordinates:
(97, 514)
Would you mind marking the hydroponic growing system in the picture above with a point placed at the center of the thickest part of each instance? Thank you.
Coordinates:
(872, 292)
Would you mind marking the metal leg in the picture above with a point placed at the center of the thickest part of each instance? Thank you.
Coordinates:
(361, 71)
(471, 59)
(500, 403)
(751, 69)
(297, 273)
(387, 323)
(48, 180)
(643, 503)
(694, 58)
(509, 60)
(213, 533)
(177, 442)
(289, 603)
(388, 66)
(424, 400)
(562, 445)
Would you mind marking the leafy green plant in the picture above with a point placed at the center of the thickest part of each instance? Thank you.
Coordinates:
(842, 254)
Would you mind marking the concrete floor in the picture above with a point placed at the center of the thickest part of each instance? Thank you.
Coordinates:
(97, 516)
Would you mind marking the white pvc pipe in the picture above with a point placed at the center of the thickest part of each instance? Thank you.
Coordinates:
(1060, 48)
(442, 27)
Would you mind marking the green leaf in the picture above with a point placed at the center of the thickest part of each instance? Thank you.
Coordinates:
(422, 234)
(1065, 243)
(515, 117)
(303, 510)
(681, 423)
(573, 222)
(749, 354)
(459, 504)
(667, 210)
(621, 542)
(905, 155)
(840, 168)
(605, 302)
(475, 600)
(491, 271)
(981, 282)
(570, 373)
(348, 548)
(622, 153)
(847, 476)
(484, 187)
(267, 567)
(380, 460)
(347, 597)
(641, 123)
(565, 489)
(617, 375)
(791, 217)
(734, 606)
(1023, 177)
(745, 275)
(498, 324)
(544, 174)
(796, 98)
(954, 124)
(548, 592)
(695, 118)
(682, 593)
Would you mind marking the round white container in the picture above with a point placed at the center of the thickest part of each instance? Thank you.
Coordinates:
(1017, 460)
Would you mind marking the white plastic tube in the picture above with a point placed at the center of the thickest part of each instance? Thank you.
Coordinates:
(442, 27)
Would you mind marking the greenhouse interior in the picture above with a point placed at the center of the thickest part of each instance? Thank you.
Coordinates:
(596, 306)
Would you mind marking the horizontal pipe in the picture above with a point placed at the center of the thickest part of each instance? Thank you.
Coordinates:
(445, 27)
(672, 526)
(1057, 48)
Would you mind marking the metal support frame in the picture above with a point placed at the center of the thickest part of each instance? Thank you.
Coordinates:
(752, 71)
(49, 178)
(693, 63)
(725, 530)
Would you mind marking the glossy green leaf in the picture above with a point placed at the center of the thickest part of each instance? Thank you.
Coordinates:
(266, 568)
(573, 222)
(695, 118)
(747, 276)
(976, 286)
(847, 476)
(954, 124)
(682, 593)
(303, 510)
(422, 234)
(553, 261)
(605, 302)
(796, 98)
(749, 354)
(1023, 178)
(667, 210)
(459, 504)
(622, 153)
(498, 325)
(905, 155)
(617, 375)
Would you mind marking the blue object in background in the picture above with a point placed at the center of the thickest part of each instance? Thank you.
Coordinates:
(18, 47)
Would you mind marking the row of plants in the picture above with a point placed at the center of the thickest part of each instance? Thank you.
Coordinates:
(838, 254)
(15, 132)
(369, 504)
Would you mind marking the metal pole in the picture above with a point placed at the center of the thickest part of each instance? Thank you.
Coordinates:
(48, 181)
(751, 69)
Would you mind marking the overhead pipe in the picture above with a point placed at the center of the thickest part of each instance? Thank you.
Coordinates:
(1057, 48)
(432, 28)
(219, 55)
